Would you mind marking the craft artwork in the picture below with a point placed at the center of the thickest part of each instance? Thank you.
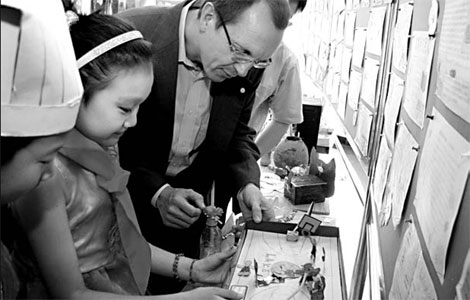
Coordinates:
(290, 152)
(246, 270)
(313, 281)
(281, 269)
(288, 265)
(313, 184)
(211, 236)
(308, 225)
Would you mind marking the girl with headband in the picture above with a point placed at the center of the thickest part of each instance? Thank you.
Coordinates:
(82, 226)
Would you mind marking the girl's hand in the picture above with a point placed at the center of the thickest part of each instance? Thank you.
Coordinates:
(209, 293)
(214, 268)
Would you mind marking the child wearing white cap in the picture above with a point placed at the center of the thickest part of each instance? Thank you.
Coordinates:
(84, 234)
(40, 98)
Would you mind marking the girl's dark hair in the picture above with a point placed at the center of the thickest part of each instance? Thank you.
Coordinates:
(95, 29)
(11, 145)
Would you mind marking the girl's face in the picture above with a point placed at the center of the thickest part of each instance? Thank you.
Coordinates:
(29, 166)
(112, 110)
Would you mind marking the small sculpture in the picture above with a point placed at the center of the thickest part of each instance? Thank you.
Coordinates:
(290, 152)
(211, 236)
(313, 281)
(246, 270)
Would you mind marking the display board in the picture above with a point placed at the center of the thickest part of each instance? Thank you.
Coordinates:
(398, 74)
(269, 266)
(434, 202)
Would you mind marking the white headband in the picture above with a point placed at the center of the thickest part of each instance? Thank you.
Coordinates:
(108, 45)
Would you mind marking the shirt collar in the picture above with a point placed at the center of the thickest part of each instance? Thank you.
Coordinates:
(182, 58)
(89, 155)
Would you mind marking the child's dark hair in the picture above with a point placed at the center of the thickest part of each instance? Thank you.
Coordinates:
(95, 29)
(12, 144)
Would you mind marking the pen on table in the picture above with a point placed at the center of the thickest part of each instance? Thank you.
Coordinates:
(310, 208)
(256, 272)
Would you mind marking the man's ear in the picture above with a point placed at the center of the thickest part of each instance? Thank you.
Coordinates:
(208, 16)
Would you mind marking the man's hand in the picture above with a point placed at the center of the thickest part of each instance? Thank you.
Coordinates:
(254, 205)
(179, 208)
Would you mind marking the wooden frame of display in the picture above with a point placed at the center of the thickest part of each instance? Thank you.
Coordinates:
(266, 242)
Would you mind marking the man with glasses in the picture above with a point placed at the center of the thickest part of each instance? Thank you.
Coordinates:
(278, 95)
(193, 130)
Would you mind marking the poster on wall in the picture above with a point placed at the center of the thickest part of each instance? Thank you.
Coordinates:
(354, 90)
(349, 26)
(453, 79)
(403, 163)
(411, 279)
(445, 160)
(359, 47)
(381, 173)
(463, 287)
(342, 95)
(417, 76)
(392, 107)
(401, 37)
(375, 30)
(369, 81)
(364, 122)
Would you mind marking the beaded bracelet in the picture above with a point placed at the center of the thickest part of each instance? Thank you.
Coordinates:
(191, 272)
(175, 266)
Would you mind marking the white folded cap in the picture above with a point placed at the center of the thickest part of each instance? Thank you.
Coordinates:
(41, 87)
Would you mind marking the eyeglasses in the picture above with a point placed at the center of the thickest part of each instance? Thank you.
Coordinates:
(239, 55)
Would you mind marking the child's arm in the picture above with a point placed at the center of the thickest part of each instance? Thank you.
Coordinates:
(212, 269)
(162, 263)
(44, 219)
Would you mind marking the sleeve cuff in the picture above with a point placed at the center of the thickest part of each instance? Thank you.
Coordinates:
(240, 192)
(157, 194)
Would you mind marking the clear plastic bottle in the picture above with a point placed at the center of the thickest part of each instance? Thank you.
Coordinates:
(211, 237)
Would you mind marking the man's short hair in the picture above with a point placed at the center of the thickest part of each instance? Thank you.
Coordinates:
(301, 5)
(230, 10)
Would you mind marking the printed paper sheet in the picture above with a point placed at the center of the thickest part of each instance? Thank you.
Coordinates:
(346, 64)
(463, 287)
(401, 171)
(401, 36)
(359, 47)
(411, 279)
(443, 170)
(369, 81)
(417, 77)
(375, 30)
(392, 106)
(354, 89)
(453, 81)
(381, 173)
(364, 121)
(343, 93)
(349, 26)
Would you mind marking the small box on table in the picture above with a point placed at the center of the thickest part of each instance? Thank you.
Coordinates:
(304, 189)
